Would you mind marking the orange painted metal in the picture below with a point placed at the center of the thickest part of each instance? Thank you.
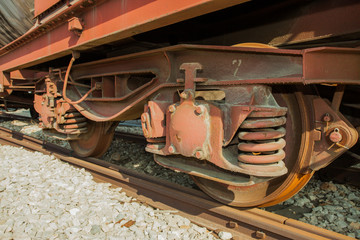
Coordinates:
(194, 128)
(174, 121)
(278, 66)
(153, 119)
(41, 6)
(295, 24)
(337, 135)
(104, 22)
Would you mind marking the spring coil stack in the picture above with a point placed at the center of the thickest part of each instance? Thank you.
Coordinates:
(261, 138)
(72, 122)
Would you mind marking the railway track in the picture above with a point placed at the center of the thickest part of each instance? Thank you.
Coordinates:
(199, 208)
(340, 171)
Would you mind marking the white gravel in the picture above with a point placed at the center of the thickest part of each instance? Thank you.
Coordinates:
(44, 198)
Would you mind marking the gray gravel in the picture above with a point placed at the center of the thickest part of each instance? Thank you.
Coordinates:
(335, 207)
(133, 156)
(332, 206)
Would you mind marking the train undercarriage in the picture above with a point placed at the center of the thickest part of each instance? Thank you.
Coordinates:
(249, 122)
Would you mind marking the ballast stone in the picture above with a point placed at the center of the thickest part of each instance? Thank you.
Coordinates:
(134, 157)
(225, 235)
(43, 198)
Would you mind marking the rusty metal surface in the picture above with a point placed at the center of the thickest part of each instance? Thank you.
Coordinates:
(96, 140)
(41, 5)
(320, 20)
(178, 72)
(333, 135)
(287, 24)
(194, 128)
(271, 191)
(105, 21)
(319, 65)
(16, 18)
(243, 224)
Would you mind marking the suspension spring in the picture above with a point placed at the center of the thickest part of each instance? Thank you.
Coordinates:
(73, 123)
(261, 138)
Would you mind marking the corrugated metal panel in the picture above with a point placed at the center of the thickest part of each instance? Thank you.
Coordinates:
(16, 17)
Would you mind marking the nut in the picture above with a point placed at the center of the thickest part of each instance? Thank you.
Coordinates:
(199, 109)
(171, 149)
(199, 154)
(335, 136)
(327, 117)
(260, 235)
(172, 108)
(184, 95)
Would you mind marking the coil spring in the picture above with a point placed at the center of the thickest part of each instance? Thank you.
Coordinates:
(261, 139)
(73, 123)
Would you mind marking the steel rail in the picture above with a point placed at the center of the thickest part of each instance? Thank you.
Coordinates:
(9, 116)
(130, 136)
(199, 208)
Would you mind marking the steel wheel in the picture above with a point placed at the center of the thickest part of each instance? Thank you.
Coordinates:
(96, 141)
(278, 189)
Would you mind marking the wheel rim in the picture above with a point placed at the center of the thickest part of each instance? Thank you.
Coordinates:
(279, 189)
(95, 142)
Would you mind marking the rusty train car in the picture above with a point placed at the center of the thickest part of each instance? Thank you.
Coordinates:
(249, 97)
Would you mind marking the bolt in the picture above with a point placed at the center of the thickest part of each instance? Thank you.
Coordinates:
(260, 235)
(171, 149)
(232, 224)
(327, 118)
(199, 110)
(335, 136)
(184, 95)
(172, 108)
(199, 154)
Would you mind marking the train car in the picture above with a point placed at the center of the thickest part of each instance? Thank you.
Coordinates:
(249, 97)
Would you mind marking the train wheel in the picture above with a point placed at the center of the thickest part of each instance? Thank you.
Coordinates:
(96, 141)
(279, 189)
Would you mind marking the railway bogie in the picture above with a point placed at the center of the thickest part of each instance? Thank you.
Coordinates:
(249, 122)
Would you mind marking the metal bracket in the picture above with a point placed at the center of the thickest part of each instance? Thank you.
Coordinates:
(75, 25)
(191, 70)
